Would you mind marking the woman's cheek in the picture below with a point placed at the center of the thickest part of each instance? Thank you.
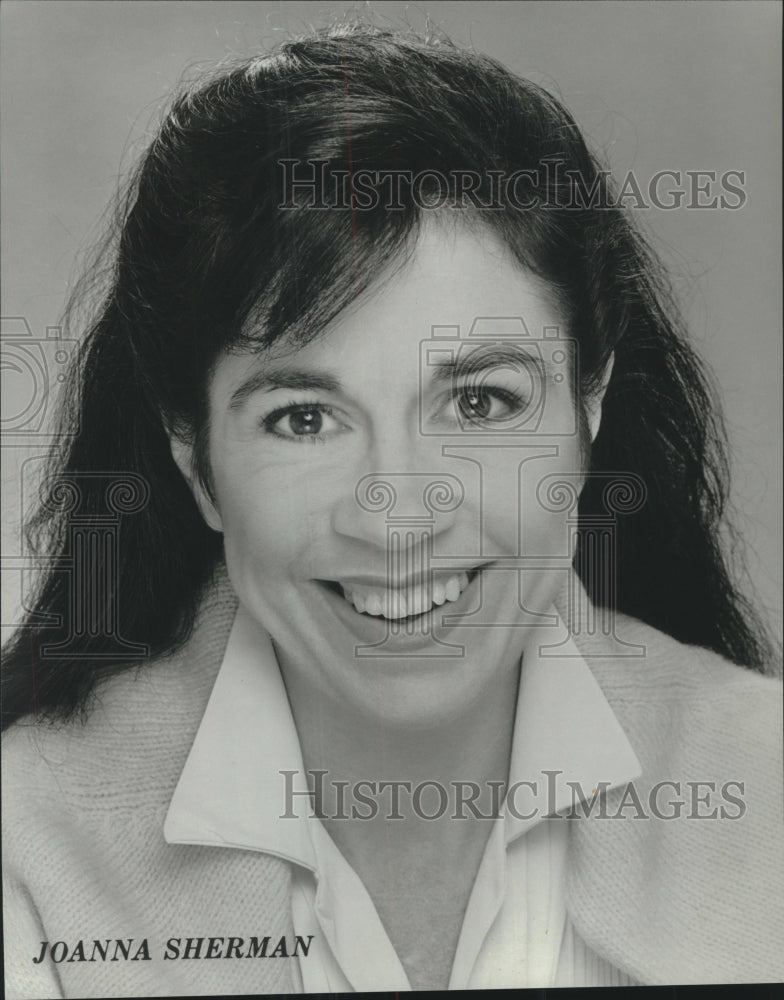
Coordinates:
(521, 514)
(259, 517)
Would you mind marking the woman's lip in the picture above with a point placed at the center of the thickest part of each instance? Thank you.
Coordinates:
(372, 628)
(395, 583)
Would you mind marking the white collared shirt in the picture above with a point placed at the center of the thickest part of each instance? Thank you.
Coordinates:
(515, 931)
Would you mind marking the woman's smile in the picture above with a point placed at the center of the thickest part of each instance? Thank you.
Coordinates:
(407, 599)
(408, 608)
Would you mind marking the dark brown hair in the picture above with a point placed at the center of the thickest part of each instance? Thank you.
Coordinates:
(204, 247)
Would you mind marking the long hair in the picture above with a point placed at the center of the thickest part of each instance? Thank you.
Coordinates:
(217, 249)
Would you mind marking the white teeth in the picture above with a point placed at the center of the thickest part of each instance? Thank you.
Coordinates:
(373, 604)
(418, 602)
(396, 604)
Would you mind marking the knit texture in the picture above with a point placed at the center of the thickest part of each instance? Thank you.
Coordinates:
(84, 853)
(686, 900)
(664, 901)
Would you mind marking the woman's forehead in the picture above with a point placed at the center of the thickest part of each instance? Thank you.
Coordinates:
(458, 285)
(453, 275)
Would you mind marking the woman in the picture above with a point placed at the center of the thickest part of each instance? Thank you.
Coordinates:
(417, 590)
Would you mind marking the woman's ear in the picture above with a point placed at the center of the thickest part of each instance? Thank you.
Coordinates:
(183, 454)
(593, 402)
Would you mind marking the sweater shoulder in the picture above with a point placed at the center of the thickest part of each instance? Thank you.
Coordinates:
(125, 753)
(689, 886)
(138, 726)
(639, 661)
(688, 708)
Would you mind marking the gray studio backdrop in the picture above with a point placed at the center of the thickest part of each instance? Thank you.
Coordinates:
(657, 86)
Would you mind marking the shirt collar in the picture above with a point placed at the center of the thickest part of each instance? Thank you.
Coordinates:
(567, 740)
(232, 793)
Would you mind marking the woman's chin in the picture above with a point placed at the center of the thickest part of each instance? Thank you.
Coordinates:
(395, 674)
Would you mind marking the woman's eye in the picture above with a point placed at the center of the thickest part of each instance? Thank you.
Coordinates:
(486, 405)
(302, 421)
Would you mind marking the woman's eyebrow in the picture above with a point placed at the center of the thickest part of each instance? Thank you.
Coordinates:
(485, 358)
(324, 381)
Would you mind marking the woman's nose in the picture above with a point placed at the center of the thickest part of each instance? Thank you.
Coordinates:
(384, 504)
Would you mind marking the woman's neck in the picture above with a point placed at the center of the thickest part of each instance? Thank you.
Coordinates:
(464, 758)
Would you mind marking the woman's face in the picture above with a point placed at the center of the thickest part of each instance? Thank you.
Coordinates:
(405, 388)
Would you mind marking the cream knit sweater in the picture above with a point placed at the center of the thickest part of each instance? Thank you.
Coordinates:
(665, 901)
